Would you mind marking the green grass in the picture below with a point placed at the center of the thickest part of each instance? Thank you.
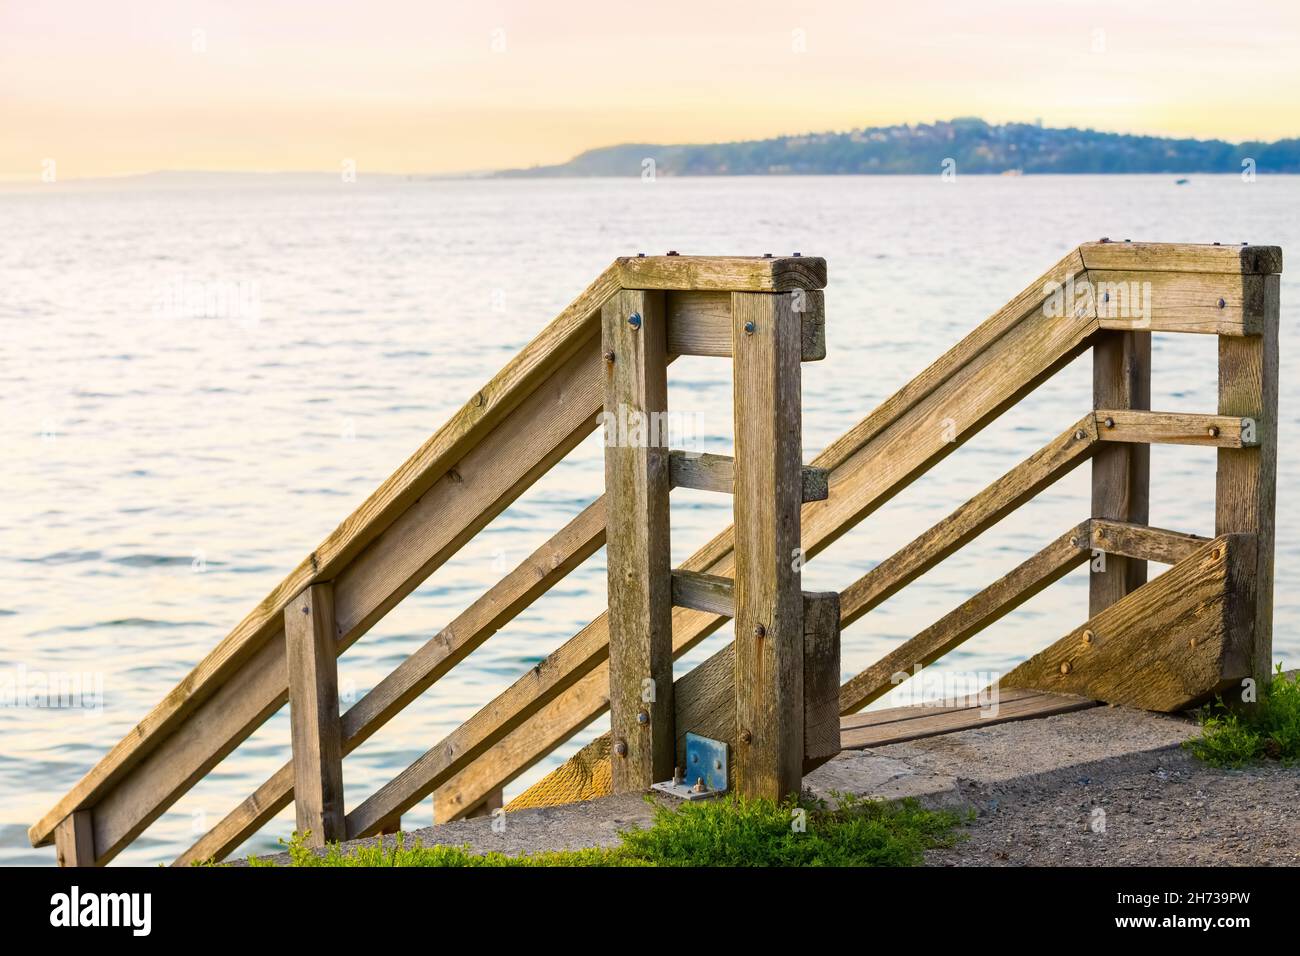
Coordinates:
(724, 832)
(1269, 730)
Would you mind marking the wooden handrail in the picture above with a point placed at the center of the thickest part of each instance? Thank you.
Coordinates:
(545, 401)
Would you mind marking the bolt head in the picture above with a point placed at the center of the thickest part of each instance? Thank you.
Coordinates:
(642, 717)
(1080, 435)
(1214, 431)
(609, 357)
(478, 399)
(1087, 637)
(749, 328)
(1065, 667)
(634, 320)
(620, 748)
(746, 737)
(760, 630)
(1110, 423)
(1222, 304)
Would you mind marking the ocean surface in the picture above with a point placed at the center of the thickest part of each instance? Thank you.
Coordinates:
(165, 467)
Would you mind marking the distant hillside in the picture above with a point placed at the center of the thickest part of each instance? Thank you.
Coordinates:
(975, 146)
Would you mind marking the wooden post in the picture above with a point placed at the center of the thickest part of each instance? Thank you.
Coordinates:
(768, 496)
(1121, 472)
(314, 715)
(488, 805)
(74, 840)
(637, 483)
(1246, 482)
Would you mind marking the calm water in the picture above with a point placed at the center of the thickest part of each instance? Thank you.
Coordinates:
(164, 471)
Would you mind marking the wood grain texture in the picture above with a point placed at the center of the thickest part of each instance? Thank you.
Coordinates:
(1175, 428)
(1196, 302)
(898, 725)
(637, 541)
(74, 840)
(972, 616)
(1125, 539)
(1167, 646)
(533, 577)
(707, 472)
(699, 323)
(1181, 257)
(1246, 480)
(1121, 473)
(704, 592)
(568, 334)
(821, 678)
(314, 725)
(723, 273)
(769, 607)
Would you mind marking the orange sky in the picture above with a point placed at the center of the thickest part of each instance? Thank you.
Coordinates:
(108, 87)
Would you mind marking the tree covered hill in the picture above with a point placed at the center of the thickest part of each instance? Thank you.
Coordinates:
(973, 145)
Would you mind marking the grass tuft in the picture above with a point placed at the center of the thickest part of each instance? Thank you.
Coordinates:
(1268, 731)
(724, 832)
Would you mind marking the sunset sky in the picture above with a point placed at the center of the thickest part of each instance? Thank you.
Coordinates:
(110, 87)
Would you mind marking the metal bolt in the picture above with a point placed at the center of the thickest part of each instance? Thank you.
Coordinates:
(1105, 297)
(746, 737)
(1191, 642)
(1065, 667)
(306, 609)
(1222, 304)
(677, 776)
(620, 748)
(1079, 435)
(1214, 431)
(609, 357)
(478, 399)
(1215, 554)
(1074, 542)
(749, 328)
(760, 630)
(634, 320)
(700, 786)
(642, 717)
(1087, 637)
(1110, 423)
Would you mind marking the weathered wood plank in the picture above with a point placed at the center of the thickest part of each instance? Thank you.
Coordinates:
(533, 577)
(1121, 471)
(1043, 468)
(704, 592)
(723, 273)
(637, 541)
(1142, 543)
(1197, 302)
(707, 472)
(821, 678)
(699, 323)
(570, 333)
(1175, 428)
(972, 616)
(1181, 257)
(74, 840)
(769, 607)
(1004, 359)
(897, 727)
(1165, 647)
(315, 729)
(1246, 481)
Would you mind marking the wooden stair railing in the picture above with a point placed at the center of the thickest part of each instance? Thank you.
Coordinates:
(532, 413)
(546, 400)
(1228, 291)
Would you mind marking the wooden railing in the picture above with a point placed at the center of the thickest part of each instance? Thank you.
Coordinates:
(546, 400)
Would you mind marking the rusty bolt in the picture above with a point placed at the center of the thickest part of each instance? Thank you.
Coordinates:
(1080, 435)
(609, 357)
(1215, 554)
(620, 748)
(1074, 542)
(760, 630)
(1065, 667)
(1214, 431)
(1110, 423)
(746, 737)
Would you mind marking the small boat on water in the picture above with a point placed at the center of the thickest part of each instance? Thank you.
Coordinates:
(1181, 182)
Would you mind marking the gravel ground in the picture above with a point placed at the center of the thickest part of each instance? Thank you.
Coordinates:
(1160, 809)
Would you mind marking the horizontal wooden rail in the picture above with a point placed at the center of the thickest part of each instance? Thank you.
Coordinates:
(699, 323)
(706, 472)
(722, 273)
(1142, 542)
(1208, 303)
(997, 600)
(704, 592)
(1175, 428)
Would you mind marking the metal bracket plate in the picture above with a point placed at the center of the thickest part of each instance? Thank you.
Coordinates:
(705, 773)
